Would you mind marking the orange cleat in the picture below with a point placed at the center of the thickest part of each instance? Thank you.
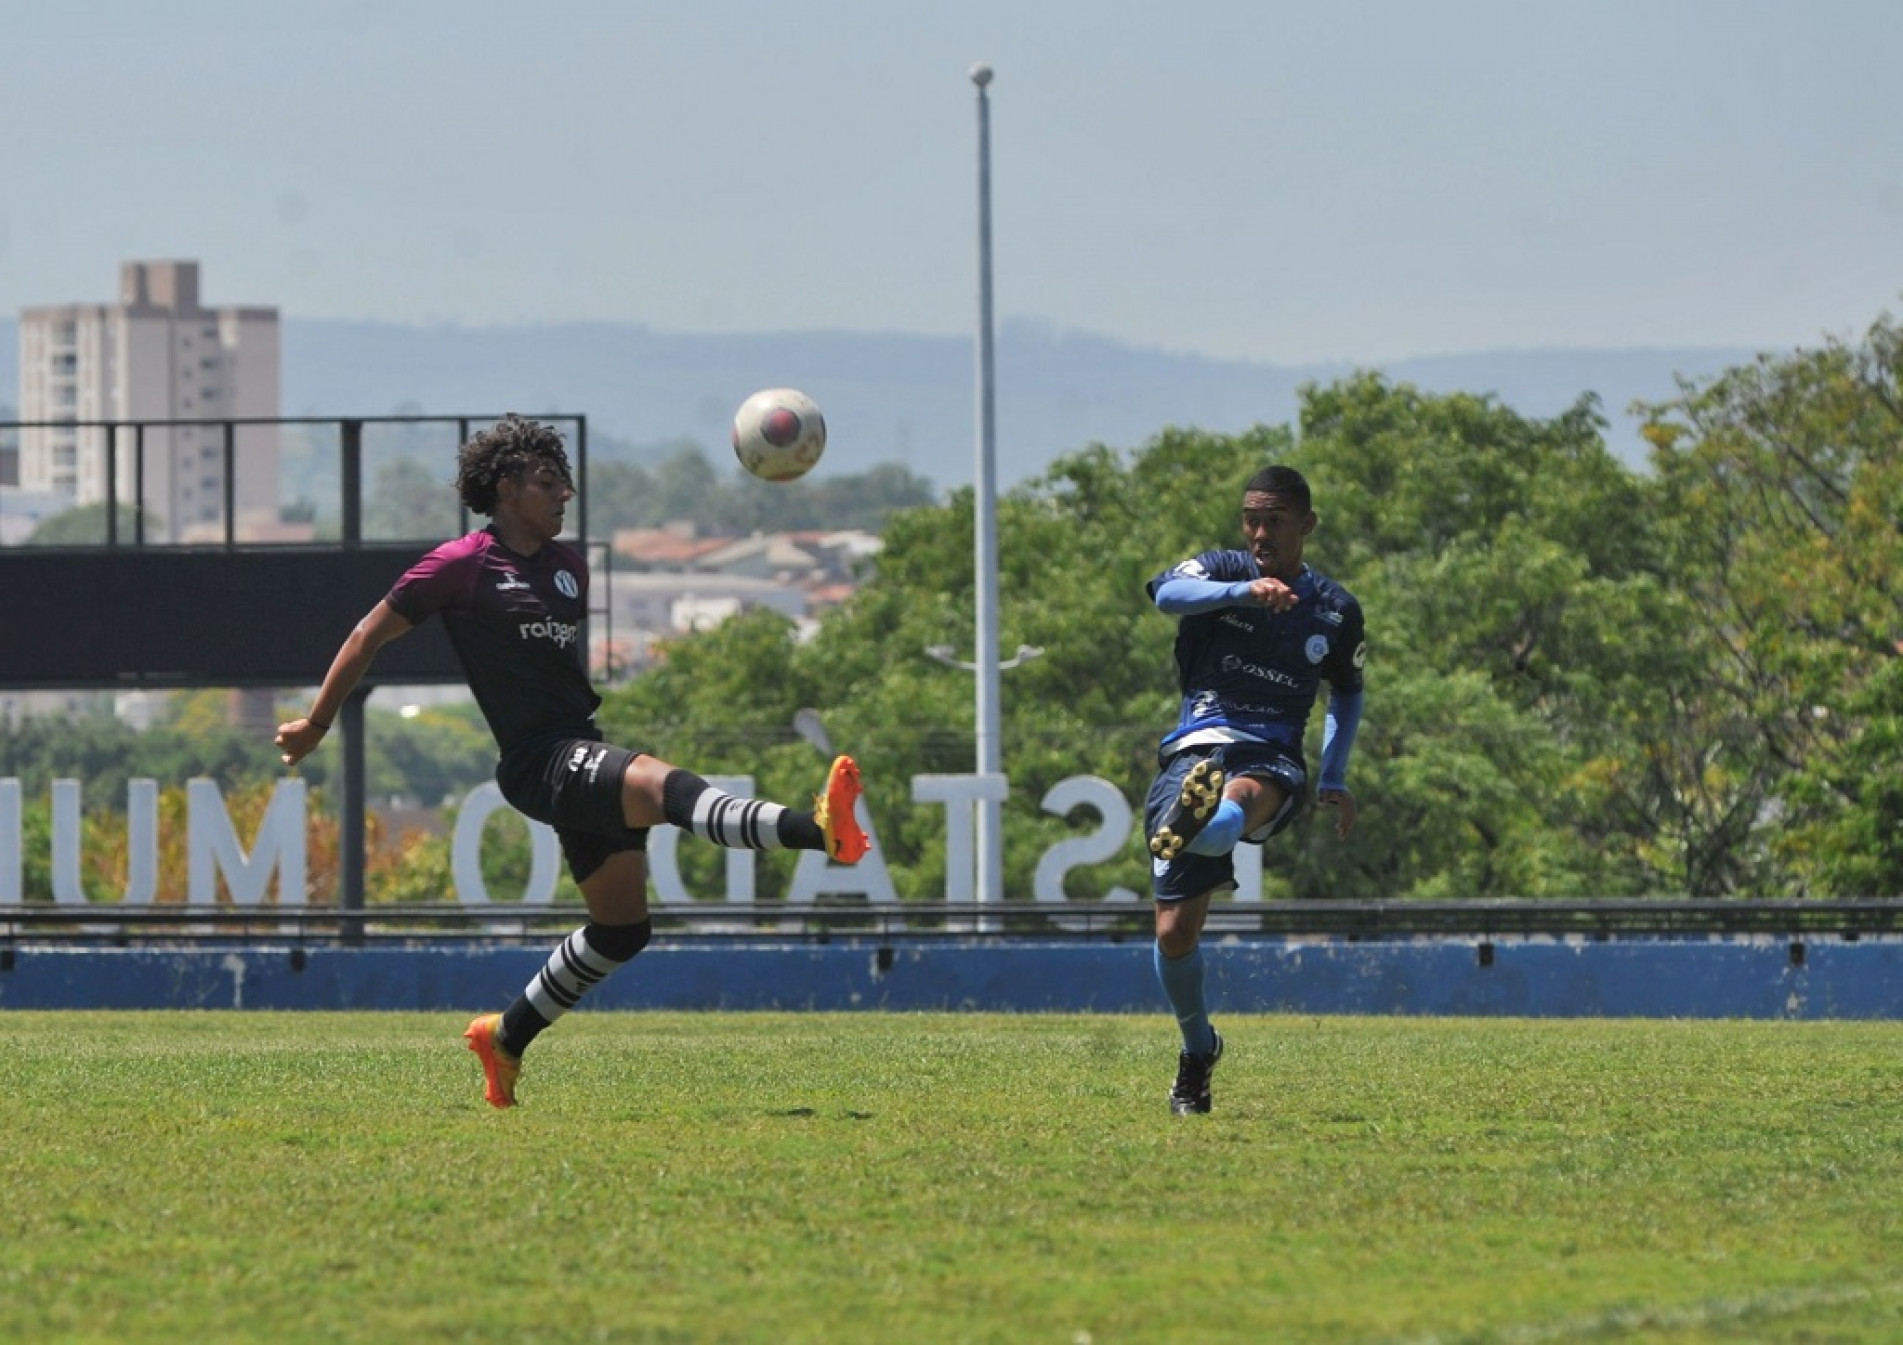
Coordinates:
(498, 1070)
(833, 810)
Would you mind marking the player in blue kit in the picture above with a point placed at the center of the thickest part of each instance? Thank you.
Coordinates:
(1258, 631)
(513, 599)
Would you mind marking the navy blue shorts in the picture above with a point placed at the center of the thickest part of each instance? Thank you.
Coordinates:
(572, 781)
(1191, 875)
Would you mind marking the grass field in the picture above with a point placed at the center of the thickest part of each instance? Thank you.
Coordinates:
(239, 1176)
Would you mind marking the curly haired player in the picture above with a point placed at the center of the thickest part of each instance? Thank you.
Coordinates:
(513, 599)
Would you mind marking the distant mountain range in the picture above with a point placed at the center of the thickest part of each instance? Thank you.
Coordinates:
(896, 397)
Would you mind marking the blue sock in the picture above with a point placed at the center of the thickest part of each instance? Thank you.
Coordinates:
(1221, 833)
(1182, 979)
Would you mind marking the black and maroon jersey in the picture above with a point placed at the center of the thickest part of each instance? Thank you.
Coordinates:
(515, 622)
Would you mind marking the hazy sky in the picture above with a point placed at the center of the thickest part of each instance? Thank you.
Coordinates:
(1260, 179)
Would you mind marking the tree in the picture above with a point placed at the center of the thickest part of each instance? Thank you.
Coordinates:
(1522, 627)
(1782, 489)
(86, 526)
(410, 497)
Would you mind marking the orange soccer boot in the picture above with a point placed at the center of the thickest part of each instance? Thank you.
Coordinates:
(833, 810)
(499, 1069)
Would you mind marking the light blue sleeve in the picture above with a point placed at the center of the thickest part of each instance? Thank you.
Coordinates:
(1338, 737)
(1186, 597)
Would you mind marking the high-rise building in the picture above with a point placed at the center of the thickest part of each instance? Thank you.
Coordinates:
(156, 355)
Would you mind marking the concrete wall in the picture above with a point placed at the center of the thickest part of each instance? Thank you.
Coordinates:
(1678, 978)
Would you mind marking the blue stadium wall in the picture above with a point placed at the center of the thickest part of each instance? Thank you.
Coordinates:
(1737, 977)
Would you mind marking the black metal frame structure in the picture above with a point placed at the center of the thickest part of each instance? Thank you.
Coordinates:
(130, 576)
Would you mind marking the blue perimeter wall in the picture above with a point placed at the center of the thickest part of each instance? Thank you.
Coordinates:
(1531, 977)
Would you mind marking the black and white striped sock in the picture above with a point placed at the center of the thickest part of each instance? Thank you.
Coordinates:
(579, 963)
(692, 804)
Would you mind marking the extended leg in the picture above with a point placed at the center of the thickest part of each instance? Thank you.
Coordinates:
(654, 792)
(1190, 812)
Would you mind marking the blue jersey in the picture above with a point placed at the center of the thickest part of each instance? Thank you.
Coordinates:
(1251, 674)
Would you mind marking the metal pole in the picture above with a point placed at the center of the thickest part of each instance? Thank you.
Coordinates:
(350, 483)
(990, 830)
(352, 838)
(353, 831)
(138, 484)
(231, 485)
(112, 485)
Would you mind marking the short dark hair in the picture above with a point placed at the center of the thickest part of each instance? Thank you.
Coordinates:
(510, 448)
(1280, 480)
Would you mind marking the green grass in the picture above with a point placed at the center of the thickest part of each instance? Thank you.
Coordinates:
(238, 1176)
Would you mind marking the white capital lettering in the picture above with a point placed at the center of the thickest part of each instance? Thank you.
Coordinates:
(12, 861)
(1066, 796)
(212, 846)
(465, 849)
(961, 795)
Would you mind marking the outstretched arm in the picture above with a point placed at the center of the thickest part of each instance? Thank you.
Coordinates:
(1182, 596)
(299, 738)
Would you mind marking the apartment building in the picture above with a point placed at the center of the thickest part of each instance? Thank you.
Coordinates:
(156, 355)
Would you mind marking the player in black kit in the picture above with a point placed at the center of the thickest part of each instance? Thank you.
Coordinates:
(513, 599)
(1258, 632)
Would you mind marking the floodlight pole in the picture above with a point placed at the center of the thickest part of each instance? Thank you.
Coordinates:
(990, 830)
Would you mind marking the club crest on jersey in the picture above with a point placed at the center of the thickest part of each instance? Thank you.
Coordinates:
(565, 582)
(1316, 648)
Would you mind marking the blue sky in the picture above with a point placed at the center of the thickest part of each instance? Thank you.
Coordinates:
(1252, 179)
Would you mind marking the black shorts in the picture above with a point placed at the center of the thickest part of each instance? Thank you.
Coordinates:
(572, 781)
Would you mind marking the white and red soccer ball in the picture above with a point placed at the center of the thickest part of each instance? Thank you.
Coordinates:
(778, 434)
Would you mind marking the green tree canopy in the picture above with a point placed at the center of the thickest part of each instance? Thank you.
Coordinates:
(1782, 503)
(85, 525)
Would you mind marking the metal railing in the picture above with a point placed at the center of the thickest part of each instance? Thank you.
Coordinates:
(129, 435)
(104, 924)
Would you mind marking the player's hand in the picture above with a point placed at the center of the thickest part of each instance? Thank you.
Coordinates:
(1344, 804)
(1272, 594)
(298, 739)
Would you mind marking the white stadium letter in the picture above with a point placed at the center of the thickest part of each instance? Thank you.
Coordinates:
(465, 850)
(11, 860)
(961, 795)
(212, 846)
(1083, 791)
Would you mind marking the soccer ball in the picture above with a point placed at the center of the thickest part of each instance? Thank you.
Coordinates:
(778, 434)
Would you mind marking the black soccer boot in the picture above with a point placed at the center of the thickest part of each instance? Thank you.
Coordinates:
(1190, 1096)
(1195, 804)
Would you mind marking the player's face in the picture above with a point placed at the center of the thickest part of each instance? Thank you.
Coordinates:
(537, 499)
(1273, 529)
